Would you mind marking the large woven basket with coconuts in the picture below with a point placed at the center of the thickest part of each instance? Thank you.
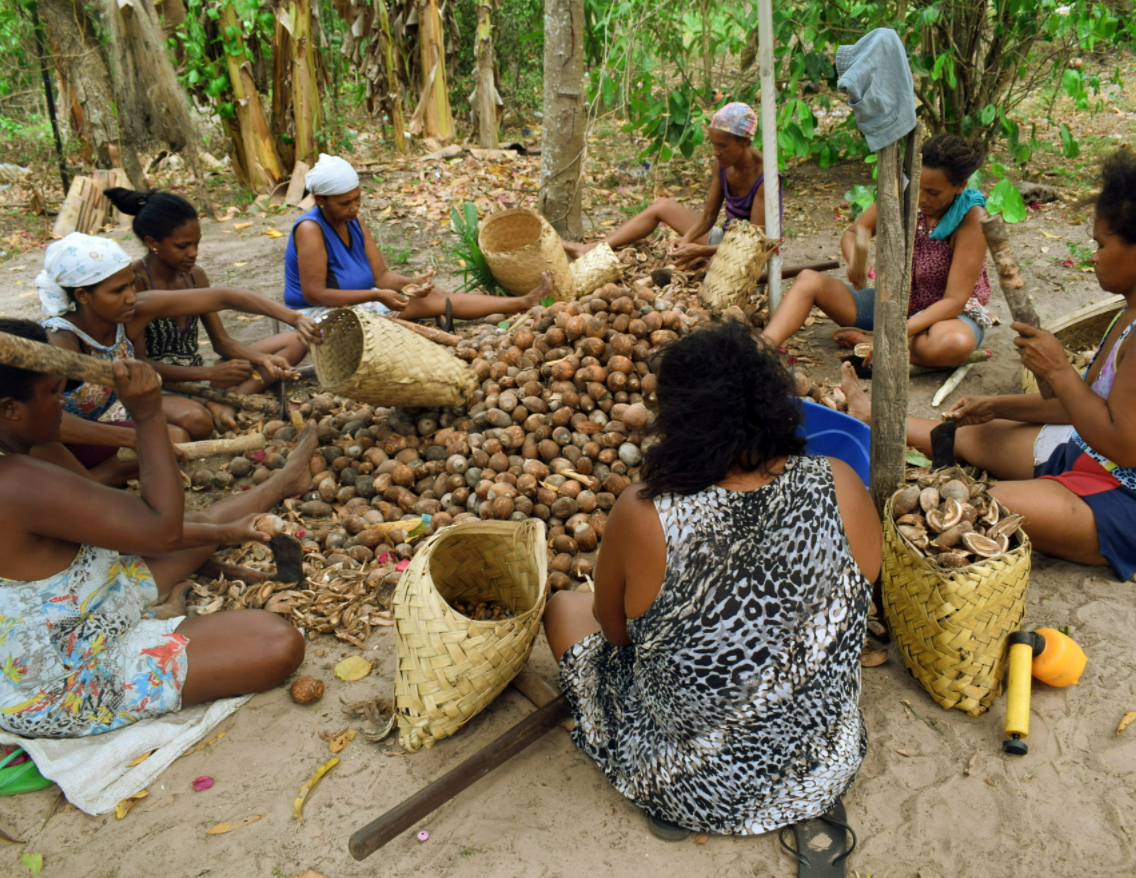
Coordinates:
(451, 667)
(951, 624)
(519, 244)
(736, 268)
(370, 359)
(595, 268)
(1079, 331)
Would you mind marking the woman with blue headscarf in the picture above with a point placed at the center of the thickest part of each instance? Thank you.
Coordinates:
(947, 316)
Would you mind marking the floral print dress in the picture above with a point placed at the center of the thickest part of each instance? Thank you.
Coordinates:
(80, 653)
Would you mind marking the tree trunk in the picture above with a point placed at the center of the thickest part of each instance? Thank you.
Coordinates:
(565, 118)
(86, 88)
(433, 117)
(485, 107)
(295, 92)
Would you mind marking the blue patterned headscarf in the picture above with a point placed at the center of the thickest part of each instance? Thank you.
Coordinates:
(77, 260)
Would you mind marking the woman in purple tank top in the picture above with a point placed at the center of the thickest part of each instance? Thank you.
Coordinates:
(737, 180)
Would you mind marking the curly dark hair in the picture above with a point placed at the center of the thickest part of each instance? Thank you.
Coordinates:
(724, 401)
(955, 156)
(1116, 204)
(16, 383)
(157, 214)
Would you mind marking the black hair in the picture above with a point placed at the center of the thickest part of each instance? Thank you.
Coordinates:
(724, 400)
(955, 156)
(17, 383)
(1116, 204)
(157, 214)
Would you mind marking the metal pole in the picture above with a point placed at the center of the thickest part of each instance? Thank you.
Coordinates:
(769, 146)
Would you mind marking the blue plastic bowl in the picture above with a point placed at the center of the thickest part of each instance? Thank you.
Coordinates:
(830, 433)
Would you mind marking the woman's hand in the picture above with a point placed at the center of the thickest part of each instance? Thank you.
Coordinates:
(1041, 352)
(308, 330)
(243, 530)
(972, 410)
(229, 373)
(421, 286)
(394, 301)
(139, 388)
(685, 253)
(278, 368)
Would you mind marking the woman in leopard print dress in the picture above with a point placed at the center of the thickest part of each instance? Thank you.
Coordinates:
(715, 679)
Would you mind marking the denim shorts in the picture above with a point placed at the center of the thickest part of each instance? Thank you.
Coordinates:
(866, 314)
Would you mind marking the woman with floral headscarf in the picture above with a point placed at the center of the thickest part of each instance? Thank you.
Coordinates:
(90, 305)
(737, 179)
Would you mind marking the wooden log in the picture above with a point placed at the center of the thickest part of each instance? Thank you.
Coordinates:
(1010, 280)
(35, 356)
(72, 209)
(226, 397)
(435, 335)
(536, 690)
(374, 835)
(210, 447)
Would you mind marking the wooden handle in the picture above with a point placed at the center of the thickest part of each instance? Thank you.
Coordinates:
(1013, 287)
(210, 447)
(226, 397)
(422, 804)
(793, 270)
(35, 356)
(435, 335)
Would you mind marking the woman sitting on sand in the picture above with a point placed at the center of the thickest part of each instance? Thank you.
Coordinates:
(83, 650)
(947, 317)
(737, 178)
(88, 295)
(169, 227)
(332, 262)
(715, 677)
(1068, 464)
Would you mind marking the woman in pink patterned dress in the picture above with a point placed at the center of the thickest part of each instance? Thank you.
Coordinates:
(947, 317)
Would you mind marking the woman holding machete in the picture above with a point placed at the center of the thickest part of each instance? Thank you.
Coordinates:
(715, 676)
(87, 292)
(169, 227)
(83, 648)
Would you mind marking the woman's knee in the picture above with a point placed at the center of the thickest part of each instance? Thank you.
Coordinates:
(282, 647)
(196, 422)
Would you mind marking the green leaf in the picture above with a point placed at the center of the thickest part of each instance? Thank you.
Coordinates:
(1069, 146)
(34, 862)
(548, 301)
(1006, 200)
(987, 115)
(916, 459)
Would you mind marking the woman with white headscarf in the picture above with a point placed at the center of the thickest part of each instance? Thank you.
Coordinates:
(90, 306)
(332, 261)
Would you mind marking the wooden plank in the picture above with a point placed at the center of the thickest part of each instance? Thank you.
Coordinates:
(295, 193)
(72, 208)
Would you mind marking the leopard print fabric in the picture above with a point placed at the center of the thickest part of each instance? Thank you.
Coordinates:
(735, 710)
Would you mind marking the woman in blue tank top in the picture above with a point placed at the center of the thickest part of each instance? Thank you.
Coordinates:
(332, 262)
(737, 180)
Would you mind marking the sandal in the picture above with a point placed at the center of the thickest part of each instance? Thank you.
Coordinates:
(666, 830)
(22, 778)
(826, 850)
(850, 336)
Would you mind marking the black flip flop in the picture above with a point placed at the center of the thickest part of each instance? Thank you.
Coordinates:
(666, 830)
(821, 844)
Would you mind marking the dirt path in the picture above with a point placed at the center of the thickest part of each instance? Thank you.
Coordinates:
(935, 798)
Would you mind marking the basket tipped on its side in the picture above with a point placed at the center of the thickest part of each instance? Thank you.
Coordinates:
(519, 244)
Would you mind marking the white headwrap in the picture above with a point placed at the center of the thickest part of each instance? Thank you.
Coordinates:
(331, 176)
(76, 261)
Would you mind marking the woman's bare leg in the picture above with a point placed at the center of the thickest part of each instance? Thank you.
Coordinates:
(190, 416)
(568, 619)
(1058, 522)
(1002, 448)
(293, 478)
(473, 306)
(810, 288)
(664, 210)
(946, 343)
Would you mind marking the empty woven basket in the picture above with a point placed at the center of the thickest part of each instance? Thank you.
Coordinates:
(1079, 331)
(951, 627)
(449, 666)
(518, 245)
(736, 268)
(374, 360)
(595, 268)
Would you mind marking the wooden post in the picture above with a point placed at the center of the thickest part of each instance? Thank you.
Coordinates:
(773, 228)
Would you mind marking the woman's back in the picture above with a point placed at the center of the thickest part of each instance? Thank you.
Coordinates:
(735, 709)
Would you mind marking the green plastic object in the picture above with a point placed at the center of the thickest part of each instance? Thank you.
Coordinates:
(22, 778)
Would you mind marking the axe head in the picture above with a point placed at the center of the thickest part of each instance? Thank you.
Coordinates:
(288, 555)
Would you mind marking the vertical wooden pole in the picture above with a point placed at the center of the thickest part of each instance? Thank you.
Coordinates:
(769, 146)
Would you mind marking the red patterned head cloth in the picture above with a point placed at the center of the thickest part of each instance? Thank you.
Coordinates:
(736, 118)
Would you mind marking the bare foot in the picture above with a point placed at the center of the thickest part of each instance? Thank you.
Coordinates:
(224, 416)
(535, 295)
(295, 477)
(859, 406)
(576, 250)
(174, 604)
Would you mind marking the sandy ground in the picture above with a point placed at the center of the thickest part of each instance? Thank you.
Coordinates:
(935, 797)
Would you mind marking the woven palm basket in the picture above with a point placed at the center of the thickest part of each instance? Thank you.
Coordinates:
(518, 245)
(951, 626)
(374, 360)
(1079, 331)
(595, 268)
(449, 666)
(736, 268)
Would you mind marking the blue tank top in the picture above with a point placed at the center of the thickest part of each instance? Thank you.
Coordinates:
(347, 266)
